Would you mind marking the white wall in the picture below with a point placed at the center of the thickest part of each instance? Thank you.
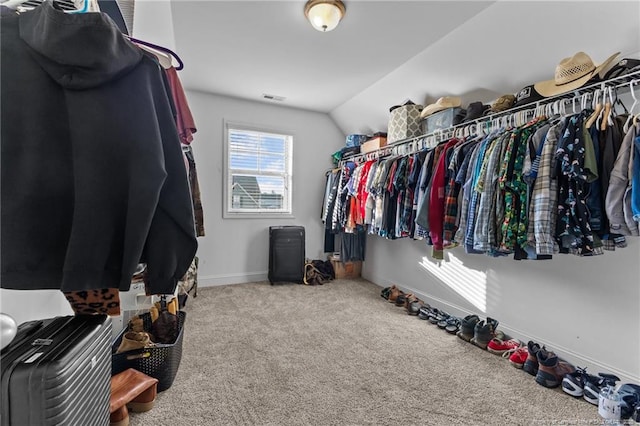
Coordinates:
(153, 22)
(584, 308)
(237, 250)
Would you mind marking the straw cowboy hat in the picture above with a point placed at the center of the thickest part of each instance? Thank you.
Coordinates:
(572, 73)
(442, 103)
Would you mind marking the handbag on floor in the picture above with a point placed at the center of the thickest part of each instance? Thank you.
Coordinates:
(318, 272)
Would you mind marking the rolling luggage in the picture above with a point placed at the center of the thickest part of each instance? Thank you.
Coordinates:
(286, 254)
(58, 372)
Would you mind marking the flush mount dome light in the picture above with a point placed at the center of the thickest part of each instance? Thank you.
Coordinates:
(324, 15)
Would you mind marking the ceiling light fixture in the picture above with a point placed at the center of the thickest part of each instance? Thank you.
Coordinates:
(324, 15)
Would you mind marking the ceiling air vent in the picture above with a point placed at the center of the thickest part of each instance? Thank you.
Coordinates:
(273, 97)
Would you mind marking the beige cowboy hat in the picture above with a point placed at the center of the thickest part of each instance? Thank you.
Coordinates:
(572, 73)
(442, 103)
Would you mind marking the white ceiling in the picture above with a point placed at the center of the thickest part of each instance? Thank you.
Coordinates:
(383, 52)
(247, 48)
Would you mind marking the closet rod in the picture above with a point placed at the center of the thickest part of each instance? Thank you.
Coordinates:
(426, 140)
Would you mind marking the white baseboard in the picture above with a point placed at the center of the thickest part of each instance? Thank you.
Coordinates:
(593, 365)
(217, 280)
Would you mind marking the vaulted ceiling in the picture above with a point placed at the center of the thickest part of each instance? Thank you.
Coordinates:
(383, 52)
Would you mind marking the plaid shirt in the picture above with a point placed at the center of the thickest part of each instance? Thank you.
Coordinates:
(543, 210)
(437, 199)
(465, 178)
(475, 168)
(484, 239)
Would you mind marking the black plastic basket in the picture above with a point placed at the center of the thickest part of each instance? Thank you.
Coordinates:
(160, 361)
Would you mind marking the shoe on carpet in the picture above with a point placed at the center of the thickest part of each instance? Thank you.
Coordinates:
(412, 305)
(551, 369)
(630, 401)
(531, 364)
(484, 331)
(518, 357)
(453, 325)
(401, 298)
(425, 311)
(499, 347)
(594, 384)
(573, 383)
(384, 293)
(394, 292)
(467, 325)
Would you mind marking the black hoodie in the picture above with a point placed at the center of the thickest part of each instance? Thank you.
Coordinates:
(93, 179)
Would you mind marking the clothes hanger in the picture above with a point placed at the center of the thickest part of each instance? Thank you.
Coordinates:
(84, 8)
(596, 109)
(160, 49)
(165, 60)
(605, 118)
(631, 117)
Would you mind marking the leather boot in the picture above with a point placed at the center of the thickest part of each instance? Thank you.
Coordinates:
(393, 294)
(531, 363)
(551, 370)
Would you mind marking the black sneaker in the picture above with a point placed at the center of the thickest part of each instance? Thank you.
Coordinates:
(594, 384)
(630, 401)
(573, 383)
(425, 312)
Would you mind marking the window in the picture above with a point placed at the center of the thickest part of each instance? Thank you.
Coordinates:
(258, 172)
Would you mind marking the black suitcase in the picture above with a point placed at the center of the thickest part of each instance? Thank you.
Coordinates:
(58, 372)
(286, 254)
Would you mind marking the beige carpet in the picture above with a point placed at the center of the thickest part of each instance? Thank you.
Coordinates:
(339, 354)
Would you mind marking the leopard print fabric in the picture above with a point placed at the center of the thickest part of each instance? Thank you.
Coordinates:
(90, 302)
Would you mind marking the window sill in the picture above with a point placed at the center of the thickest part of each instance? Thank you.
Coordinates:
(228, 215)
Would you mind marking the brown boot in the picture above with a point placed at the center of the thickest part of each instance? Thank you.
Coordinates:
(551, 370)
(531, 363)
(394, 293)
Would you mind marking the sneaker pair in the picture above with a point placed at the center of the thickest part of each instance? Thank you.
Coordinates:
(573, 383)
(581, 384)
(502, 347)
(518, 357)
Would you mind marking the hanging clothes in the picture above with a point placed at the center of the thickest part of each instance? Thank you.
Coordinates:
(92, 155)
(635, 180)
(544, 197)
(546, 186)
(196, 199)
(619, 194)
(573, 227)
(185, 123)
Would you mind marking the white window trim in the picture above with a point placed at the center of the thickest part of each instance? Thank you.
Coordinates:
(226, 214)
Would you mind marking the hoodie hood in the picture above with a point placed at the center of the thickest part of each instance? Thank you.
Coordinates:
(78, 50)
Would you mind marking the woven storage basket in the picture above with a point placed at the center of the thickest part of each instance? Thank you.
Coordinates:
(161, 361)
